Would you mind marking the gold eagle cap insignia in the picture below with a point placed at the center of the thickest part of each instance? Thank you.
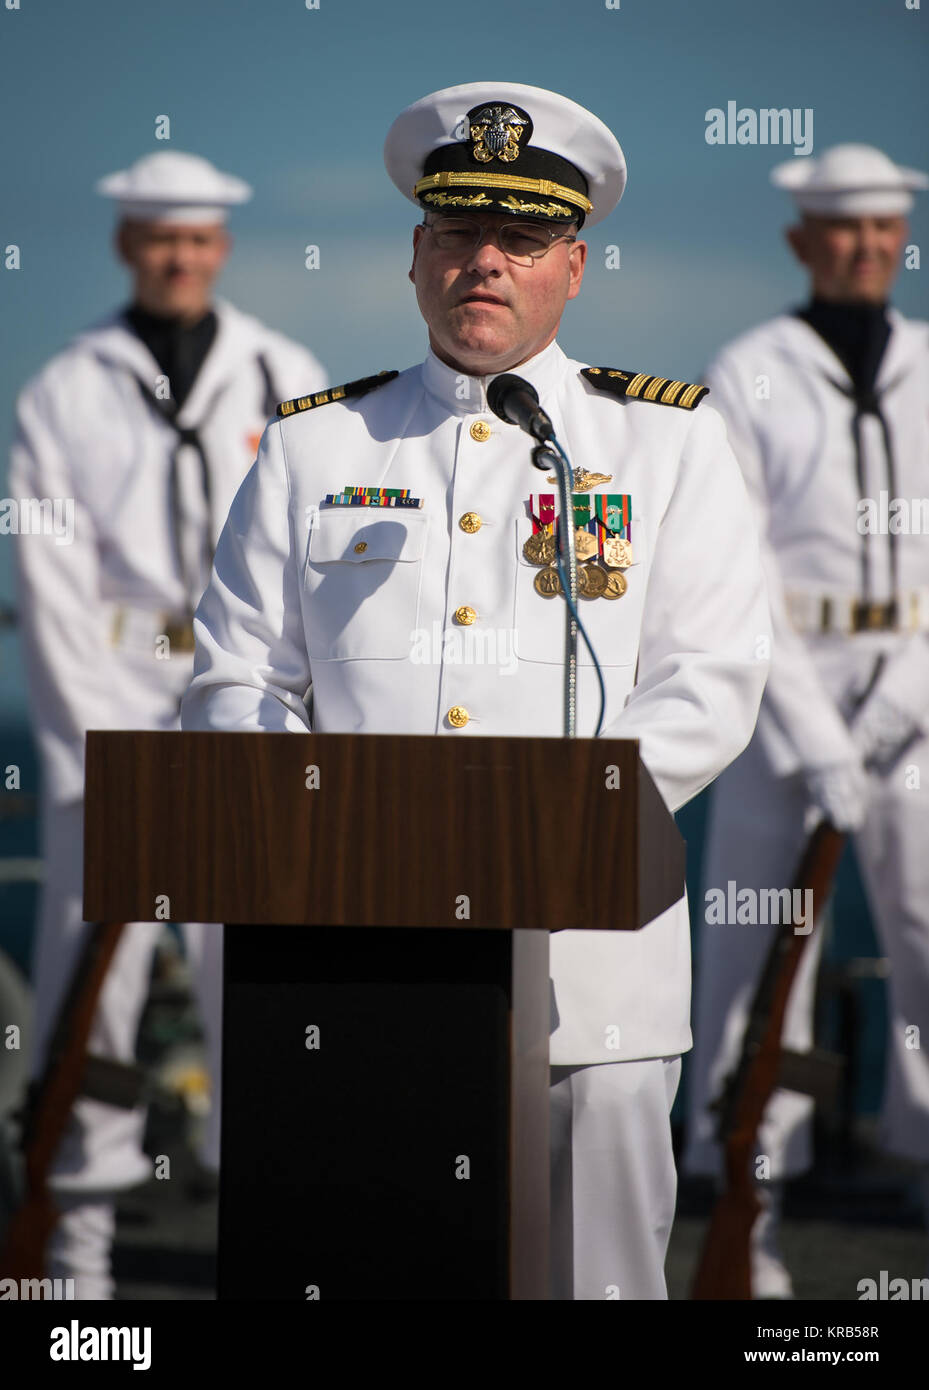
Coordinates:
(495, 133)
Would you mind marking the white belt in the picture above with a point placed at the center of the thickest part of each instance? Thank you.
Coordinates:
(138, 629)
(816, 612)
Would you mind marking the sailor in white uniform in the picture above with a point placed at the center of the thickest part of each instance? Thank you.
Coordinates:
(400, 507)
(827, 410)
(141, 430)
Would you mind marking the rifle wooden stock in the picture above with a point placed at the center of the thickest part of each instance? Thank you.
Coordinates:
(22, 1255)
(724, 1271)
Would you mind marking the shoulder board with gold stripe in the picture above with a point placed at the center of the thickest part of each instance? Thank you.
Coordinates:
(639, 386)
(334, 393)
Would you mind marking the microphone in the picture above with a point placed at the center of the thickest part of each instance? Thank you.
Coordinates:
(516, 401)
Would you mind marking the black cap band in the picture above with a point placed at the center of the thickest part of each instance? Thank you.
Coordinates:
(497, 169)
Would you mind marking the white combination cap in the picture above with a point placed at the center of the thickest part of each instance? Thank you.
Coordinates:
(849, 181)
(503, 147)
(173, 187)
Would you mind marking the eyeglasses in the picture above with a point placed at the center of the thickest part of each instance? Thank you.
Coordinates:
(522, 242)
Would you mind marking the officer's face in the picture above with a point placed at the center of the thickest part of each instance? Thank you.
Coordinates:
(486, 313)
(850, 258)
(173, 266)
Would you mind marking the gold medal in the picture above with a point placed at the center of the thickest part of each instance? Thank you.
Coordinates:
(591, 581)
(547, 582)
(615, 585)
(617, 552)
(585, 545)
(540, 548)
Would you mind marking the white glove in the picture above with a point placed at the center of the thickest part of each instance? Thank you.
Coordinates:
(881, 729)
(840, 792)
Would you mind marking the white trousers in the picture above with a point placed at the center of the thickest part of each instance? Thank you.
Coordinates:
(102, 1148)
(80, 1246)
(754, 837)
(613, 1182)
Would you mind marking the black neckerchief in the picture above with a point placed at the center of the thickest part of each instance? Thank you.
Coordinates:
(179, 351)
(177, 347)
(858, 335)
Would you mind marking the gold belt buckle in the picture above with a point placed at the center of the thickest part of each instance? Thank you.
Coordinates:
(874, 617)
(180, 636)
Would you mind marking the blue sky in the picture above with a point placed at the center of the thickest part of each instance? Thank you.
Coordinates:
(298, 101)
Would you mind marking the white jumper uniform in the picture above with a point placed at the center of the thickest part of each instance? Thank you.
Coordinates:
(96, 603)
(788, 404)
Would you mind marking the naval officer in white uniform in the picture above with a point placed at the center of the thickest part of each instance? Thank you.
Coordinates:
(145, 426)
(315, 581)
(827, 410)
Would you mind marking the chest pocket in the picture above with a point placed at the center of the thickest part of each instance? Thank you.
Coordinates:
(611, 624)
(362, 583)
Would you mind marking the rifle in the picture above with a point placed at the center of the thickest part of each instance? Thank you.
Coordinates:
(724, 1271)
(68, 1073)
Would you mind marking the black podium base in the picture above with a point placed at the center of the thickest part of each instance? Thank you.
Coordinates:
(365, 1121)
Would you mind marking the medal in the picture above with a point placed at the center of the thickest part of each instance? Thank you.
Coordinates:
(585, 545)
(617, 552)
(547, 582)
(585, 538)
(591, 581)
(613, 513)
(540, 549)
(615, 585)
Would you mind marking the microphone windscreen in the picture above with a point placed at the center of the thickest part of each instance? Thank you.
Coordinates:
(500, 388)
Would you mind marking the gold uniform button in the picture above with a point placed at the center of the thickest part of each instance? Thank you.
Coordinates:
(361, 547)
(481, 431)
(458, 716)
(465, 615)
(470, 522)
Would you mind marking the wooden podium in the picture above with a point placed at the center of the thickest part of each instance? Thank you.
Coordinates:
(387, 1004)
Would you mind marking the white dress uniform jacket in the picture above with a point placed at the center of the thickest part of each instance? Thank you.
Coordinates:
(787, 402)
(294, 598)
(93, 609)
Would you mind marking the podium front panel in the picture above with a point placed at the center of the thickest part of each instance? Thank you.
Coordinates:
(366, 1132)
